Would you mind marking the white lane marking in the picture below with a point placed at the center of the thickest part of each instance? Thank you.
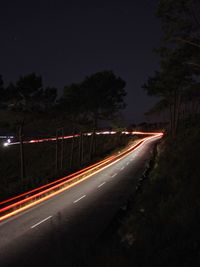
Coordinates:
(33, 226)
(79, 198)
(114, 175)
(122, 168)
(101, 184)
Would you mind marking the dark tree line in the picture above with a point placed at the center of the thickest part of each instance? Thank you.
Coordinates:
(176, 83)
(26, 99)
(98, 96)
(81, 106)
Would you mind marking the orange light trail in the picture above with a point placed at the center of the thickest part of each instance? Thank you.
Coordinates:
(64, 183)
(54, 182)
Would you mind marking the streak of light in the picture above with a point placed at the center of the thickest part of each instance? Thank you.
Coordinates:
(33, 141)
(28, 193)
(50, 192)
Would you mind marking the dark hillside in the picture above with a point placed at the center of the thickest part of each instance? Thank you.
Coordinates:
(161, 227)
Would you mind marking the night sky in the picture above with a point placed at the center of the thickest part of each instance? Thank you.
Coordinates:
(66, 40)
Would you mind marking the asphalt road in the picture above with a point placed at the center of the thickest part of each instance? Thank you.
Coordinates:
(61, 230)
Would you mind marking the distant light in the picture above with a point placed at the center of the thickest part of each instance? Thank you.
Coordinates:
(5, 144)
(4, 136)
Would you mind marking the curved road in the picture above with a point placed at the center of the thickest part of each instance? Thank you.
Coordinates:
(60, 231)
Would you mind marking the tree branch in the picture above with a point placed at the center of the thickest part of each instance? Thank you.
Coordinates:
(188, 42)
(194, 64)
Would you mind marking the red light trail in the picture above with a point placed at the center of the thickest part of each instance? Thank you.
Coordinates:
(34, 141)
(31, 198)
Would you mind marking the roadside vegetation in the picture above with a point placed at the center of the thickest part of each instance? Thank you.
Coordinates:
(30, 110)
(48, 161)
(159, 226)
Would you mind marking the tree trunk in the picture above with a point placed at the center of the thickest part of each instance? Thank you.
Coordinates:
(174, 116)
(177, 113)
(92, 145)
(62, 149)
(72, 150)
(56, 156)
(22, 166)
(93, 138)
(80, 149)
(171, 118)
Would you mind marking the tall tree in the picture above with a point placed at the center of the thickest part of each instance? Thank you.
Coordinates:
(29, 88)
(72, 104)
(180, 24)
(70, 108)
(49, 97)
(104, 95)
(179, 57)
(171, 82)
(98, 96)
(24, 99)
(180, 21)
(160, 108)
